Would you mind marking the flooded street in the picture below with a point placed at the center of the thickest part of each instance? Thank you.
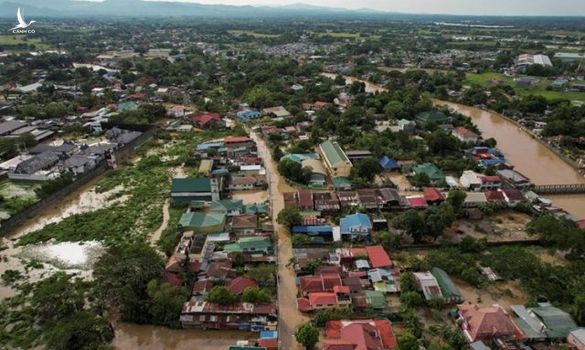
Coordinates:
(289, 317)
(145, 337)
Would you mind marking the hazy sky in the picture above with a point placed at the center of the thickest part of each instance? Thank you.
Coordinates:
(468, 7)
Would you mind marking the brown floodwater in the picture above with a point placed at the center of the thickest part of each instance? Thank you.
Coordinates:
(145, 337)
(530, 157)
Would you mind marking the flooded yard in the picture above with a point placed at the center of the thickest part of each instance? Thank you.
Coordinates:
(399, 180)
(501, 227)
(504, 293)
(144, 337)
(65, 255)
(249, 197)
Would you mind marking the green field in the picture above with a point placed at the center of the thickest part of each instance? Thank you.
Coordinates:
(488, 80)
(345, 35)
(484, 43)
(251, 33)
(9, 41)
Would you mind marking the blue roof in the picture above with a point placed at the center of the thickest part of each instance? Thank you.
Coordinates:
(353, 221)
(388, 163)
(248, 114)
(268, 335)
(313, 230)
(220, 171)
(208, 145)
(491, 161)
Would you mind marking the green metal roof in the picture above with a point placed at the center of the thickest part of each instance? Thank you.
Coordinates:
(256, 208)
(558, 322)
(299, 157)
(448, 288)
(247, 243)
(341, 182)
(376, 300)
(225, 205)
(432, 116)
(333, 152)
(192, 184)
(430, 169)
(199, 219)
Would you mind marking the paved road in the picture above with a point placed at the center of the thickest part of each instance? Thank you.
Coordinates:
(289, 317)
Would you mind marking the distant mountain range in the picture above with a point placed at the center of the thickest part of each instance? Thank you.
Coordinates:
(141, 8)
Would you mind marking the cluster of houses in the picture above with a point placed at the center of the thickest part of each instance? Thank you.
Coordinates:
(48, 161)
(493, 326)
(353, 278)
(218, 157)
(360, 279)
(221, 237)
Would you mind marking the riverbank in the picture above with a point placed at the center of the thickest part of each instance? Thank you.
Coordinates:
(563, 157)
(529, 155)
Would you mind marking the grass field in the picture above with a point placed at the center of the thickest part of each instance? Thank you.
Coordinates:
(251, 33)
(488, 79)
(15, 40)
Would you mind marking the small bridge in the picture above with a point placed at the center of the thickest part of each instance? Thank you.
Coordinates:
(560, 189)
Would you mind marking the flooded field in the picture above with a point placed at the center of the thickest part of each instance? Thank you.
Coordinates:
(55, 257)
(65, 255)
(501, 227)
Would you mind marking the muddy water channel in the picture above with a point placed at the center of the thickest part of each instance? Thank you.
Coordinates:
(131, 336)
(79, 257)
(531, 158)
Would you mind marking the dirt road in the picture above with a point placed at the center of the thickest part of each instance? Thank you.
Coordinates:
(155, 236)
(289, 317)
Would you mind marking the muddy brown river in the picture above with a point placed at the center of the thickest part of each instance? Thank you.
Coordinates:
(529, 156)
(144, 337)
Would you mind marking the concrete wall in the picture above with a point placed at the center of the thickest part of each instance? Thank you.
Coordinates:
(102, 167)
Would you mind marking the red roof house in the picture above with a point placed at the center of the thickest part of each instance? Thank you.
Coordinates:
(323, 300)
(465, 135)
(417, 202)
(235, 139)
(359, 335)
(320, 283)
(269, 344)
(433, 195)
(378, 257)
(239, 284)
(207, 120)
(486, 323)
(305, 199)
(495, 196)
